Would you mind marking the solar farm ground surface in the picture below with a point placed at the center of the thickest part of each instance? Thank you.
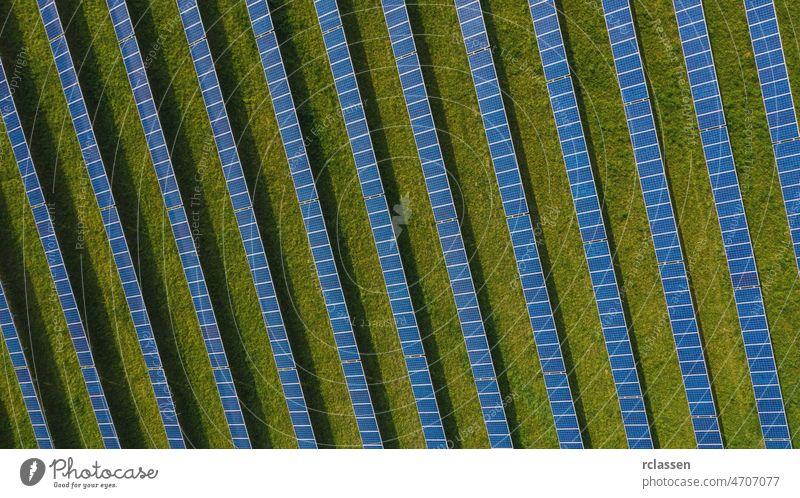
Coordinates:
(23, 268)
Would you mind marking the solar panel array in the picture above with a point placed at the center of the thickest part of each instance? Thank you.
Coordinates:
(673, 275)
(455, 256)
(246, 220)
(55, 261)
(380, 219)
(515, 205)
(24, 379)
(181, 230)
(114, 232)
(698, 57)
(733, 223)
(779, 105)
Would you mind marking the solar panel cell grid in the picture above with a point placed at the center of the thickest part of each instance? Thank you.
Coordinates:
(105, 201)
(784, 132)
(778, 104)
(515, 206)
(181, 230)
(587, 208)
(314, 222)
(733, 224)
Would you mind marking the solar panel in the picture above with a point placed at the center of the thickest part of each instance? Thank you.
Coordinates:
(680, 307)
(462, 286)
(516, 209)
(380, 220)
(24, 378)
(246, 220)
(733, 223)
(776, 93)
(115, 235)
(55, 261)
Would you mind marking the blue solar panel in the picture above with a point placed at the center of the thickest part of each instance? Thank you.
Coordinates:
(58, 272)
(379, 216)
(444, 212)
(733, 223)
(584, 192)
(590, 221)
(248, 226)
(24, 378)
(115, 236)
(779, 105)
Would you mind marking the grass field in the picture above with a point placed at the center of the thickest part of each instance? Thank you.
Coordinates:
(23, 269)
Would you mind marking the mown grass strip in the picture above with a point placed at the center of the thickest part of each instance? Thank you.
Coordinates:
(466, 154)
(374, 326)
(87, 256)
(786, 287)
(233, 297)
(240, 74)
(40, 323)
(396, 153)
(635, 253)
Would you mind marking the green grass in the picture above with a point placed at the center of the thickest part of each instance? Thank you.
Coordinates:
(24, 272)
(97, 283)
(345, 216)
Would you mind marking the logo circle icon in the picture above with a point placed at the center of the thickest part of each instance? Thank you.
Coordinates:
(31, 471)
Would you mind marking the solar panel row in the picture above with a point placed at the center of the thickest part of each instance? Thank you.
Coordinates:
(380, 219)
(115, 235)
(55, 261)
(512, 194)
(590, 220)
(246, 220)
(733, 223)
(179, 222)
(24, 379)
(455, 256)
(776, 93)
